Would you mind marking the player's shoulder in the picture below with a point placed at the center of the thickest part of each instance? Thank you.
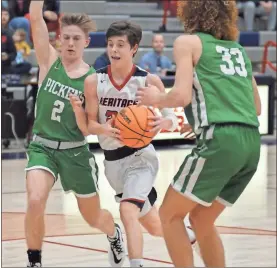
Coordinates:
(103, 70)
(139, 72)
(91, 79)
(187, 41)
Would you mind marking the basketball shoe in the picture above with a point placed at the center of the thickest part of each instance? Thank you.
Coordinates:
(32, 264)
(117, 249)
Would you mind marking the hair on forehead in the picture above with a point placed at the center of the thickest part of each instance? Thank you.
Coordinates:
(83, 21)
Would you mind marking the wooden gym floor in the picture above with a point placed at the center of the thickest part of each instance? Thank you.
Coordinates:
(248, 228)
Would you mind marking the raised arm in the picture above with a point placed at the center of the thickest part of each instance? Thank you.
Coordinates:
(45, 53)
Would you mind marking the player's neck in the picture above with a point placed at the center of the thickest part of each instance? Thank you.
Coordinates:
(71, 65)
(121, 73)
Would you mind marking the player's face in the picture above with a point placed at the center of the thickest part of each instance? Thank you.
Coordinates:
(73, 42)
(119, 50)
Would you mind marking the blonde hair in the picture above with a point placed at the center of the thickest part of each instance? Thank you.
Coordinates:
(83, 21)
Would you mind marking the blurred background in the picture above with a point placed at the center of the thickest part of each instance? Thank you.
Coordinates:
(257, 24)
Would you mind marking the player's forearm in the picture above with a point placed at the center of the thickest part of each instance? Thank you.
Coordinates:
(173, 99)
(95, 128)
(82, 121)
(36, 9)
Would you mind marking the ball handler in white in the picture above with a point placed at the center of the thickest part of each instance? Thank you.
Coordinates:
(131, 172)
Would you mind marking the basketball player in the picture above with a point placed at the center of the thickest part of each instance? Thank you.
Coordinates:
(222, 106)
(59, 147)
(131, 172)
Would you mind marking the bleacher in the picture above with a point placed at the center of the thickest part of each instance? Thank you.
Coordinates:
(150, 18)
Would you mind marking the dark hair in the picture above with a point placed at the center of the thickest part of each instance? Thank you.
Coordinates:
(216, 17)
(131, 30)
(83, 21)
(4, 9)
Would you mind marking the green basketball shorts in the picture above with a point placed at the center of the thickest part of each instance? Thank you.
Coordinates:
(76, 167)
(221, 165)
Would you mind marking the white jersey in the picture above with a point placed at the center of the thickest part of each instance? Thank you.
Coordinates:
(112, 98)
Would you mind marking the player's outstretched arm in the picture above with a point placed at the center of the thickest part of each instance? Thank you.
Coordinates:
(169, 120)
(92, 106)
(181, 93)
(45, 53)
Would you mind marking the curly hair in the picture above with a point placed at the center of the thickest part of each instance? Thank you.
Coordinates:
(217, 17)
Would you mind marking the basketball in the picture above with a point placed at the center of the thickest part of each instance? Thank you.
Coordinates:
(132, 121)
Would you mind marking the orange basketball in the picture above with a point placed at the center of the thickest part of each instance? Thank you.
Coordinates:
(132, 121)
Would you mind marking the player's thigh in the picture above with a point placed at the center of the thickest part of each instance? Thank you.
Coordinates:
(78, 171)
(140, 175)
(89, 208)
(209, 167)
(41, 171)
(114, 171)
(237, 184)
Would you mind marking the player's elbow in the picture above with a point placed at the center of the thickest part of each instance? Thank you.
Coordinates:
(184, 97)
(184, 100)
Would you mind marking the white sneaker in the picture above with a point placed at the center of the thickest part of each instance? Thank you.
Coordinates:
(37, 264)
(117, 249)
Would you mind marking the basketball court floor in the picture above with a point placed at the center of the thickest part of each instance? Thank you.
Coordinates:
(248, 228)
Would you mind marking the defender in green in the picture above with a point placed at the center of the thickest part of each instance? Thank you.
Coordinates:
(214, 83)
(59, 148)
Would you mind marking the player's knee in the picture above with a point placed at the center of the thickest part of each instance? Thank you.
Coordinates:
(129, 212)
(169, 215)
(165, 217)
(199, 223)
(36, 203)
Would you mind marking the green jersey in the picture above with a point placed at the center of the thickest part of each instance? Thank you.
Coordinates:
(54, 116)
(222, 85)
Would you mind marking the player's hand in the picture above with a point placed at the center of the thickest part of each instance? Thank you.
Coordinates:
(75, 102)
(159, 123)
(109, 129)
(149, 96)
(187, 130)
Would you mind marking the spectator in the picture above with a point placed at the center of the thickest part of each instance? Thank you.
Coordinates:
(5, 18)
(8, 51)
(260, 8)
(102, 61)
(20, 65)
(18, 9)
(155, 62)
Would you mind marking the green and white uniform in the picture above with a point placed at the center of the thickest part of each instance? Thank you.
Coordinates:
(59, 146)
(223, 115)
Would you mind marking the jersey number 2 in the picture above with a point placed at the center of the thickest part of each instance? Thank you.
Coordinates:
(57, 110)
(228, 56)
